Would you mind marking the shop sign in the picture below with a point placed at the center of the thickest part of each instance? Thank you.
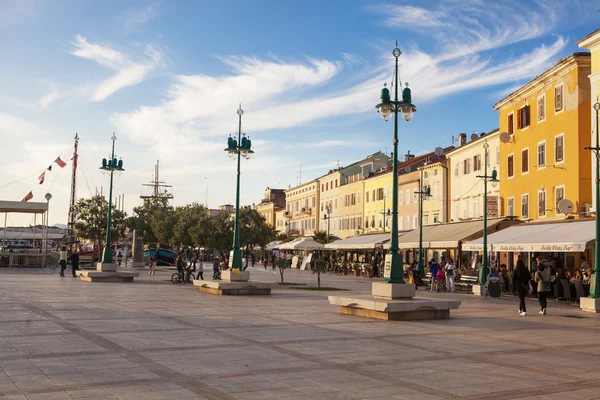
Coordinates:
(387, 268)
(492, 206)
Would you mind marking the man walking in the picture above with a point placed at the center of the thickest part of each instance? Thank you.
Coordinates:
(74, 262)
(63, 261)
(216, 273)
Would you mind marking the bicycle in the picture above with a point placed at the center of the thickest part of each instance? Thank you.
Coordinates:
(187, 277)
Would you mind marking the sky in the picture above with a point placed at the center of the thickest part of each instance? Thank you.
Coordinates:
(168, 77)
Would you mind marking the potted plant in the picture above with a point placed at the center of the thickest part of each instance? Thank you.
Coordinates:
(357, 269)
(345, 267)
(369, 270)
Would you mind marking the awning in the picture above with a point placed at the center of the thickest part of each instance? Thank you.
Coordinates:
(448, 236)
(29, 234)
(303, 243)
(273, 245)
(23, 207)
(552, 237)
(361, 242)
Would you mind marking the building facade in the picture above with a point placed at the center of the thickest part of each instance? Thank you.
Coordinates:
(592, 42)
(351, 209)
(377, 199)
(328, 197)
(466, 163)
(544, 161)
(273, 200)
(435, 176)
(301, 207)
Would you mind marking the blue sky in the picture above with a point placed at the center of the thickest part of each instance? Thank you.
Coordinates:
(167, 77)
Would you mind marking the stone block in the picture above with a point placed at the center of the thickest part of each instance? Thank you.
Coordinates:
(235, 276)
(391, 291)
(232, 288)
(103, 276)
(589, 304)
(479, 290)
(107, 267)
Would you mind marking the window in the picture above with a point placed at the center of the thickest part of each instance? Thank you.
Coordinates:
(407, 222)
(379, 194)
(476, 208)
(407, 196)
(541, 203)
(510, 165)
(455, 212)
(559, 151)
(401, 197)
(399, 224)
(366, 222)
(436, 218)
(541, 105)
(327, 186)
(358, 195)
(477, 162)
(524, 162)
(559, 195)
(511, 124)
(456, 169)
(336, 183)
(322, 187)
(525, 206)
(425, 174)
(541, 154)
(497, 155)
(511, 206)
(373, 194)
(466, 209)
(436, 190)
(523, 117)
(415, 221)
(558, 98)
(372, 221)
(367, 197)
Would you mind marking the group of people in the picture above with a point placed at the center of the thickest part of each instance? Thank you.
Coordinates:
(443, 274)
(523, 282)
(72, 256)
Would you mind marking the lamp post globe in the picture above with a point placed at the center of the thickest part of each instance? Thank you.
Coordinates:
(394, 266)
(48, 196)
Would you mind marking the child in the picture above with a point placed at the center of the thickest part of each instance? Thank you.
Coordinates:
(152, 265)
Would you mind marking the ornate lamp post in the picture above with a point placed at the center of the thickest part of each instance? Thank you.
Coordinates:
(493, 180)
(327, 217)
(240, 148)
(595, 279)
(424, 191)
(110, 166)
(394, 268)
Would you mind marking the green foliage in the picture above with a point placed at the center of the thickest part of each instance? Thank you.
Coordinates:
(282, 264)
(321, 237)
(188, 217)
(91, 220)
(215, 233)
(143, 216)
(320, 264)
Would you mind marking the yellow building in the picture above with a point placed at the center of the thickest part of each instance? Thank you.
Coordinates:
(301, 208)
(435, 207)
(544, 161)
(273, 200)
(377, 200)
(592, 42)
(351, 209)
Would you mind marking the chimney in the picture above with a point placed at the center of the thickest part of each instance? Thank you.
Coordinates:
(462, 139)
(408, 156)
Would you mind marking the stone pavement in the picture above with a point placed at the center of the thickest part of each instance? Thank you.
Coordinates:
(61, 338)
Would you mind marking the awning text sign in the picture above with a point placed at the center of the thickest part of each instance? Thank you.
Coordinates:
(492, 206)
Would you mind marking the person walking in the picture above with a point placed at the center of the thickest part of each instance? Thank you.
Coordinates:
(266, 262)
(216, 274)
(253, 258)
(74, 262)
(521, 277)
(434, 268)
(63, 261)
(450, 274)
(152, 270)
(542, 278)
(273, 258)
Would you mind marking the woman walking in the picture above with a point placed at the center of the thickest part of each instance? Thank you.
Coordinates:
(521, 277)
(152, 270)
(542, 278)
(450, 271)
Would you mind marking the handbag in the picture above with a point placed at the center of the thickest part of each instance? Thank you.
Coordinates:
(546, 285)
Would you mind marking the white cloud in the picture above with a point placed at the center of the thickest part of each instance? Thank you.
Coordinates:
(15, 127)
(128, 73)
(49, 98)
(139, 18)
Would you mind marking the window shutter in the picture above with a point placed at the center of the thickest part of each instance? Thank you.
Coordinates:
(510, 124)
(527, 115)
(520, 119)
(558, 98)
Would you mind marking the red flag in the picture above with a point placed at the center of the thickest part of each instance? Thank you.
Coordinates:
(75, 161)
(41, 177)
(28, 197)
(60, 162)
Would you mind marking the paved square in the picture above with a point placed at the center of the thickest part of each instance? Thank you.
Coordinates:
(61, 338)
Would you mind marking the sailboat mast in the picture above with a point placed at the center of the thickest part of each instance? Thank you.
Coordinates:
(71, 224)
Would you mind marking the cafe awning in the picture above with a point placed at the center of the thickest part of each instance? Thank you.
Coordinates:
(23, 207)
(567, 236)
(361, 242)
(450, 235)
(303, 243)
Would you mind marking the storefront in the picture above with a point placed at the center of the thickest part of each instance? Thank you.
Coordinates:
(565, 242)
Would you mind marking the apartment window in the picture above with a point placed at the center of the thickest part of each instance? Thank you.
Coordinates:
(399, 224)
(366, 222)
(373, 194)
(477, 162)
(511, 206)
(456, 169)
(541, 111)
(476, 208)
(511, 124)
(401, 197)
(415, 221)
(407, 195)
(372, 221)
(524, 161)
(379, 194)
(336, 183)
(497, 155)
(466, 209)
(322, 187)
(525, 206)
(455, 212)
(358, 197)
(436, 190)
(558, 98)
(327, 186)
(407, 222)
(559, 151)
(510, 166)
(541, 203)
(559, 195)
(436, 218)
(425, 174)
(541, 154)
(523, 117)
(367, 196)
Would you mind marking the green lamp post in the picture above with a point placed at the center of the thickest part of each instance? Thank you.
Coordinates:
(493, 180)
(327, 217)
(240, 148)
(595, 278)
(394, 268)
(424, 192)
(110, 166)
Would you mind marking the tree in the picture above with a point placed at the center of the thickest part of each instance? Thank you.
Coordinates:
(282, 264)
(254, 230)
(319, 265)
(91, 220)
(214, 233)
(163, 225)
(321, 237)
(188, 217)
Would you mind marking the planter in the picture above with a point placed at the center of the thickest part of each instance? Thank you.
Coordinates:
(370, 273)
(357, 272)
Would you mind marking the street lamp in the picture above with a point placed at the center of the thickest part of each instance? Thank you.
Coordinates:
(48, 196)
(394, 268)
(595, 279)
(493, 180)
(327, 217)
(424, 191)
(110, 167)
(240, 148)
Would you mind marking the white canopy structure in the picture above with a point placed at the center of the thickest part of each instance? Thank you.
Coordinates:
(568, 236)
(303, 243)
(274, 245)
(361, 242)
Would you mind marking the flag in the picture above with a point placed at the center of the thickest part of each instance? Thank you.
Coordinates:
(41, 177)
(60, 162)
(28, 197)
(49, 167)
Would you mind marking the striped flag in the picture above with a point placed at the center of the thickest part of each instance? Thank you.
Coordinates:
(60, 162)
(28, 197)
(42, 177)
